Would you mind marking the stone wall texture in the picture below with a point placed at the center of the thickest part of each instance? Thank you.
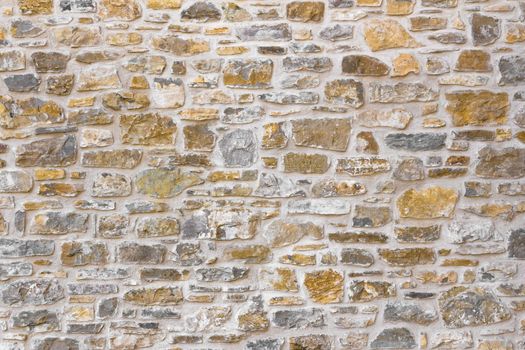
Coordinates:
(262, 174)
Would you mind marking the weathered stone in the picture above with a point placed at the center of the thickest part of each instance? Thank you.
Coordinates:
(477, 107)
(263, 32)
(164, 182)
(364, 65)
(411, 313)
(367, 216)
(15, 181)
(427, 203)
(238, 148)
(417, 234)
(50, 62)
(55, 343)
(221, 274)
(356, 257)
(118, 10)
(305, 11)
(36, 321)
(47, 152)
(134, 253)
(511, 69)
(201, 11)
(325, 286)
(333, 188)
(401, 93)
(16, 248)
(80, 6)
(337, 32)
(345, 91)
(473, 61)
(147, 129)
(179, 46)
(501, 163)
(28, 112)
(22, 82)
(416, 142)
(169, 93)
(78, 36)
(279, 279)
(297, 319)
(38, 7)
(266, 344)
(311, 342)
(307, 64)
(15, 269)
(280, 233)
(394, 338)
(332, 134)
(319, 206)
(112, 226)
(119, 158)
(400, 7)
(284, 98)
(154, 296)
(31, 292)
(60, 85)
(364, 291)
(362, 166)
(466, 307)
(409, 169)
(12, 60)
(408, 256)
(517, 244)
(248, 73)
(387, 34)
(485, 29)
(157, 227)
(59, 223)
(84, 253)
(98, 78)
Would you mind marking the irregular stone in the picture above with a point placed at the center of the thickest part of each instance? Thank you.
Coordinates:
(416, 142)
(332, 134)
(60, 151)
(449, 38)
(387, 34)
(424, 23)
(134, 253)
(199, 138)
(485, 29)
(165, 182)
(332, 188)
(98, 78)
(89, 57)
(28, 112)
(473, 61)
(238, 148)
(364, 291)
(408, 256)
(16, 248)
(411, 313)
(401, 93)
(179, 46)
(266, 344)
(125, 100)
(157, 227)
(358, 166)
(90, 137)
(364, 65)
(427, 203)
(399, 7)
(281, 233)
(404, 64)
(297, 319)
(12, 60)
(248, 73)
(345, 91)
(15, 181)
(84, 253)
(59, 223)
(118, 158)
(501, 163)
(337, 32)
(221, 274)
(208, 318)
(311, 342)
(118, 10)
(470, 231)
(409, 169)
(112, 226)
(242, 115)
(367, 216)
(201, 11)
(305, 11)
(274, 136)
(307, 64)
(55, 343)
(516, 244)
(394, 338)
(60, 85)
(356, 257)
(163, 4)
(319, 206)
(263, 32)
(285, 98)
(169, 93)
(34, 292)
(475, 306)
(279, 279)
(15, 269)
(22, 82)
(511, 69)
(50, 62)
(480, 107)
(78, 6)
(36, 321)
(154, 296)
(78, 36)
(39, 7)
(147, 129)
(250, 254)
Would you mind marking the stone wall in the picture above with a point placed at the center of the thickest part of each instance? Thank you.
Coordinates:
(262, 174)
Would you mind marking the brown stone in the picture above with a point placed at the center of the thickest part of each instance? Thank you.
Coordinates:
(325, 286)
(427, 203)
(305, 11)
(364, 291)
(364, 65)
(480, 107)
(387, 34)
(331, 134)
(199, 138)
(501, 163)
(154, 296)
(149, 129)
(407, 256)
(306, 163)
(473, 61)
(35, 7)
(345, 91)
(119, 10)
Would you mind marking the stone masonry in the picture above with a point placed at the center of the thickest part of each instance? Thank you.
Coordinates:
(262, 174)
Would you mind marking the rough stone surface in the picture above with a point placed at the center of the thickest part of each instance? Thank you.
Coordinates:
(262, 175)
